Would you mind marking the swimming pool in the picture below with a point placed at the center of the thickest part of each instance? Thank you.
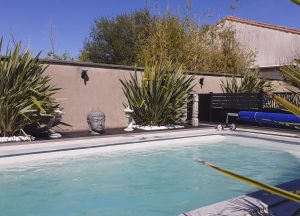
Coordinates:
(154, 178)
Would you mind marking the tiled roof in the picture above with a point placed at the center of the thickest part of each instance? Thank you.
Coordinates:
(263, 25)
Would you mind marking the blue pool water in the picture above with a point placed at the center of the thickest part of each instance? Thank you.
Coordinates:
(148, 182)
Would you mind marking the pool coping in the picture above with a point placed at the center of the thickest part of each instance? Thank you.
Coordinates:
(88, 143)
(50, 146)
(93, 142)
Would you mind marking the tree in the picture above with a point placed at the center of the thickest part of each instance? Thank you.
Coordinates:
(115, 41)
(197, 48)
(134, 39)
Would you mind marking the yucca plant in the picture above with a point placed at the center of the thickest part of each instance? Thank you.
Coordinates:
(250, 82)
(294, 196)
(159, 96)
(291, 74)
(286, 104)
(25, 92)
(296, 2)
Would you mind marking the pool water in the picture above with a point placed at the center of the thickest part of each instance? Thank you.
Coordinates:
(148, 182)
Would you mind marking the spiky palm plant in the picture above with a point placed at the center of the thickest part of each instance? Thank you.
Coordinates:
(294, 195)
(159, 96)
(296, 2)
(25, 92)
(291, 74)
(250, 82)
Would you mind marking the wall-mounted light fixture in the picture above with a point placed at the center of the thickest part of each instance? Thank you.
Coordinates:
(85, 76)
(201, 82)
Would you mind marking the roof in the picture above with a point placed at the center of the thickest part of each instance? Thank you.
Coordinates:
(260, 24)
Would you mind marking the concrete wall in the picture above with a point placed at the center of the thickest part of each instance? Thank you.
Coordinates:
(103, 90)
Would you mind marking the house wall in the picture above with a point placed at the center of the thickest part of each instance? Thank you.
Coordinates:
(272, 47)
(103, 90)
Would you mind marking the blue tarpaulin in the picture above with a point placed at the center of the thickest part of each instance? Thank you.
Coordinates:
(269, 118)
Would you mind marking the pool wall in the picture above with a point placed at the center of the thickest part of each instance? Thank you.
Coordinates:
(22, 152)
(12, 155)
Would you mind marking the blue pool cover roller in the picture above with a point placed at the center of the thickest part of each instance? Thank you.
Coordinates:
(270, 118)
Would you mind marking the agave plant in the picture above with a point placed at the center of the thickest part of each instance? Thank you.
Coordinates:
(251, 82)
(25, 93)
(159, 96)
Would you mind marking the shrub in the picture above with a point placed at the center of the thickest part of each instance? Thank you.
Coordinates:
(250, 82)
(25, 93)
(159, 96)
(116, 40)
(138, 37)
(197, 48)
(292, 75)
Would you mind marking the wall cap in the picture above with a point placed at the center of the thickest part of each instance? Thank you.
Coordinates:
(126, 67)
(122, 67)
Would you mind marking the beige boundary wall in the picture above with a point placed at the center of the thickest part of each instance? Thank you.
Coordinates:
(103, 90)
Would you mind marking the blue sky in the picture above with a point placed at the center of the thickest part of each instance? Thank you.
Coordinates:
(31, 20)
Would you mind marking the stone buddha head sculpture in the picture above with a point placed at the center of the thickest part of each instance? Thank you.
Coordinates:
(96, 121)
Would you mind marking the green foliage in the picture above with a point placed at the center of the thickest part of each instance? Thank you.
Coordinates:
(116, 41)
(228, 56)
(292, 74)
(165, 42)
(286, 104)
(52, 54)
(159, 96)
(64, 57)
(250, 82)
(196, 48)
(25, 93)
(274, 190)
(134, 39)
(296, 2)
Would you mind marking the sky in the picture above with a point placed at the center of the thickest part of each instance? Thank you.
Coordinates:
(70, 20)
